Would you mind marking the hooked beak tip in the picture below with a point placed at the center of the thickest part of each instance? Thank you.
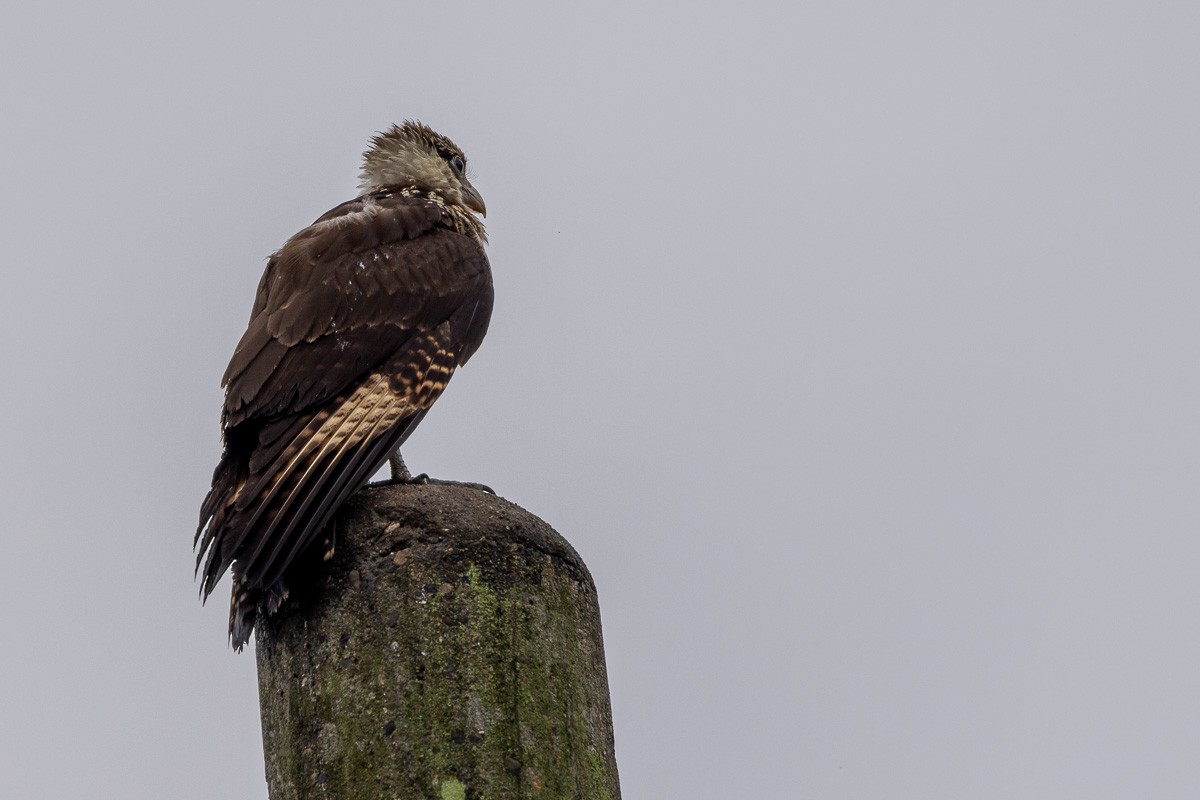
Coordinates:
(473, 200)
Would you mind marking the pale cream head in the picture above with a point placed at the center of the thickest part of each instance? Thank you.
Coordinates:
(414, 156)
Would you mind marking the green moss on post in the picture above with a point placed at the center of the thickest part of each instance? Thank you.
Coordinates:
(451, 650)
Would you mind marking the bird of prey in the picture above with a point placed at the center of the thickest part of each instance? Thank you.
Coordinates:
(359, 321)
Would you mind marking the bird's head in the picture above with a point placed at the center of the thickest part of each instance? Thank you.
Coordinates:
(414, 155)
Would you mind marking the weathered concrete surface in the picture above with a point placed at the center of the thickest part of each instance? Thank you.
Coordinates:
(451, 650)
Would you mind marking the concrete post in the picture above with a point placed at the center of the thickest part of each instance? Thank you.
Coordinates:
(450, 650)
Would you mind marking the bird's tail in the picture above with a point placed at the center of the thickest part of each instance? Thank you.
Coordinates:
(244, 604)
(243, 613)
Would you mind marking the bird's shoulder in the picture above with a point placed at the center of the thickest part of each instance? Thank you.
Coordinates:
(383, 244)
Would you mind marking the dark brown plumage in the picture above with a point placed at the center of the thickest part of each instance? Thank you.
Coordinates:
(359, 321)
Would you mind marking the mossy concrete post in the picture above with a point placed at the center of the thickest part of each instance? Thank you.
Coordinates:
(450, 650)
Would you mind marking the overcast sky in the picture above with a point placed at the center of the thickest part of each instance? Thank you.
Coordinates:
(853, 345)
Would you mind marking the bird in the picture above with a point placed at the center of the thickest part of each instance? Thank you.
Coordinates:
(359, 321)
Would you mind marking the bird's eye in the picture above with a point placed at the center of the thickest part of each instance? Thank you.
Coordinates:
(458, 164)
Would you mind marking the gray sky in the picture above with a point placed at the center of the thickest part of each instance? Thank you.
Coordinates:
(854, 346)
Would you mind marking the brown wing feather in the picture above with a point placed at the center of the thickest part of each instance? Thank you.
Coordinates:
(359, 322)
(283, 509)
(330, 312)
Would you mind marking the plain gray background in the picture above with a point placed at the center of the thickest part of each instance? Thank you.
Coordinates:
(853, 344)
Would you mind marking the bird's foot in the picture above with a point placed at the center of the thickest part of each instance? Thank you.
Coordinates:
(425, 480)
(402, 477)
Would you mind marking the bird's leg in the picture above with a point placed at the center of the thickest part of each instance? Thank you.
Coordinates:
(400, 473)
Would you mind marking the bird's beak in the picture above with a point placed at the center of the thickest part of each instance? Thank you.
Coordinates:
(473, 200)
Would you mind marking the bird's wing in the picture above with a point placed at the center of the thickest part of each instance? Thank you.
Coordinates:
(303, 466)
(347, 292)
(338, 449)
(284, 501)
(359, 322)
